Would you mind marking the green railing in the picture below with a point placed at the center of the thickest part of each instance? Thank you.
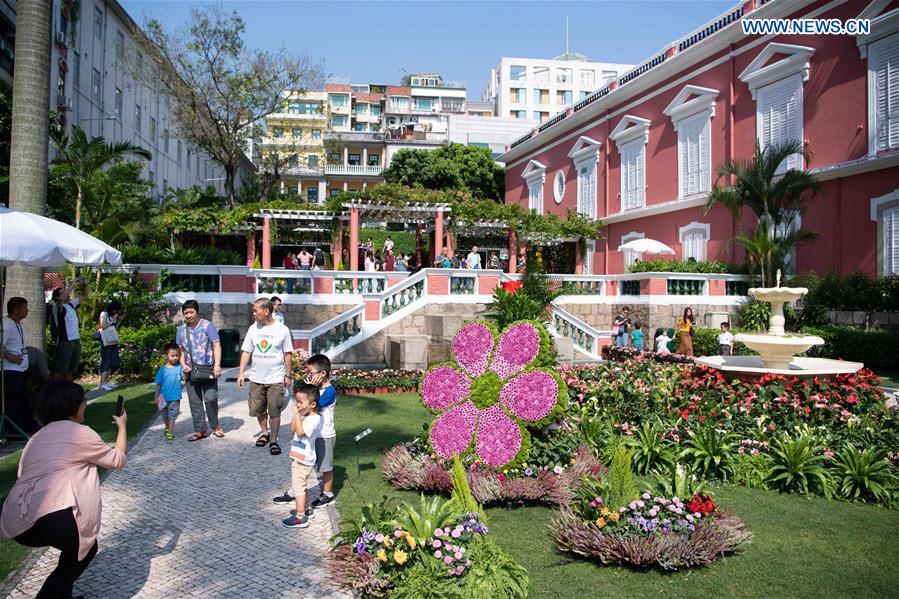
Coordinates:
(284, 285)
(736, 288)
(686, 286)
(629, 288)
(190, 282)
(366, 284)
(402, 298)
(337, 334)
(463, 285)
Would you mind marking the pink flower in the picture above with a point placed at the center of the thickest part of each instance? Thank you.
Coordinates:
(438, 554)
(497, 423)
(437, 543)
(447, 560)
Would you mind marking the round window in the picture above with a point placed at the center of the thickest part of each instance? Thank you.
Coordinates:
(559, 187)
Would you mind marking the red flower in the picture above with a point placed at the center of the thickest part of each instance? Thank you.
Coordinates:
(702, 418)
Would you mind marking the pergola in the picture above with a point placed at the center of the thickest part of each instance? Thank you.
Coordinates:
(317, 220)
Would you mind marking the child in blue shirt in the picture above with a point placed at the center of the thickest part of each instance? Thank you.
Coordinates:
(168, 388)
(637, 336)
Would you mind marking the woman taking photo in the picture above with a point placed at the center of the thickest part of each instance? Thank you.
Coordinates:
(109, 343)
(56, 500)
(685, 327)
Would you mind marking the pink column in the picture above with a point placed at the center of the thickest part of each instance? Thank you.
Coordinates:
(513, 252)
(251, 249)
(449, 240)
(354, 239)
(266, 242)
(578, 259)
(338, 247)
(438, 234)
(418, 256)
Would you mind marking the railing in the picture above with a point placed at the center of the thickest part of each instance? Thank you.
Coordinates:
(592, 98)
(521, 139)
(629, 288)
(334, 332)
(582, 335)
(403, 295)
(359, 283)
(463, 282)
(196, 283)
(710, 29)
(552, 121)
(285, 281)
(686, 287)
(643, 68)
(581, 284)
(353, 169)
(736, 288)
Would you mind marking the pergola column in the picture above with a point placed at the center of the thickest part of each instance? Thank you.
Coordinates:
(578, 258)
(418, 231)
(513, 252)
(523, 251)
(364, 156)
(338, 247)
(266, 242)
(449, 240)
(354, 239)
(438, 233)
(251, 249)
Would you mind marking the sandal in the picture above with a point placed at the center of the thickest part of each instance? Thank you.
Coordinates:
(263, 440)
(198, 436)
(274, 448)
(219, 432)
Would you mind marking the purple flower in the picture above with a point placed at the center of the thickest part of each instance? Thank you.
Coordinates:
(456, 534)
(436, 543)
(528, 472)
(438, 554)
(379, 538)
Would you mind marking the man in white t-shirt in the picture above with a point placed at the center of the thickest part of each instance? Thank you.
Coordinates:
(268, 342)
(474, 258)
(65, 320)
(15, 364)
(388, 245)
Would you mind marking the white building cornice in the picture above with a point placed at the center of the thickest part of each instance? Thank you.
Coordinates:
(534, 171)
(761, 71)
(882, 24)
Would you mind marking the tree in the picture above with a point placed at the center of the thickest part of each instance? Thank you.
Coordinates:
(79, 159)
(467, 168)
(221, 89)
(29, 145)
(776, 199)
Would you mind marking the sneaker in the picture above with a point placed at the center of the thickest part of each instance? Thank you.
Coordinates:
(295, 521)
(309, 513)
(169, 435)
(323, 501)
(284, 499)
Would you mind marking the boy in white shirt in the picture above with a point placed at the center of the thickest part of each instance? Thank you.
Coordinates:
(306, 427)
(662, 341)
(725, 340)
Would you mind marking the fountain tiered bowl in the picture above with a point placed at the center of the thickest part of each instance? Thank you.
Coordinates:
(777, 349)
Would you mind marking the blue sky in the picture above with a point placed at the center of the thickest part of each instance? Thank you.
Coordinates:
(373, 41)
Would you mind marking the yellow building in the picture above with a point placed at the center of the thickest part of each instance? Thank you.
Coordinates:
(296, 136)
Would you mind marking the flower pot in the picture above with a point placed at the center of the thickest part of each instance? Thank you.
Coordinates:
(381, 390)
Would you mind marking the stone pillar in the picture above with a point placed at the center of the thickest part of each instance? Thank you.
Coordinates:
(266, 242)
(364, 185)
(281, 186)
(364, 157)
(344, 185)
(322, 191)
(513, 252)
(438, 234)
(346, 156)
(354, 239)
(300, 189)
(251, 249)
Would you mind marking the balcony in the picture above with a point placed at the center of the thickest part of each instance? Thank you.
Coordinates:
(295, 116)
(355, 136)
(353, 169)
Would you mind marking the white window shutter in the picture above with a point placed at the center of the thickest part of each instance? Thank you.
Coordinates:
(886, 87)
(640, 173)
(705, 159)
(781, 117)
(632, 174)
(891, 242)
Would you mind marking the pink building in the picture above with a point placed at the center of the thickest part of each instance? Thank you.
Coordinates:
(641, 154)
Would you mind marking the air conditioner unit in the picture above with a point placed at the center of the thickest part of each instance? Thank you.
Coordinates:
(64, 103)
(60, 38)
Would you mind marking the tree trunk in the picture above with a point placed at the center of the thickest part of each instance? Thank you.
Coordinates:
(78, 207)
(29, 147)
(229, 185)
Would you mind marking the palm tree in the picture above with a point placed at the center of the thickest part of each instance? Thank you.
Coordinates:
(777, 199)
(29, 147)
(80, 159)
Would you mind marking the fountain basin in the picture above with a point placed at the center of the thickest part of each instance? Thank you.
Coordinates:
(753, 367)
(777, 351)
(777, 294)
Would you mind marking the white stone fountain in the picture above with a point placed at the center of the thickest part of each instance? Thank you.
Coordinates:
(777, 349)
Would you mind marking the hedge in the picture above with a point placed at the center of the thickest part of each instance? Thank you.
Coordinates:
(705, 343)
(876, 348)
(689, 266)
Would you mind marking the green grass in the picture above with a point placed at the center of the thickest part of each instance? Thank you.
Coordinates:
(140, 409)
(888, 378)
(803, 547)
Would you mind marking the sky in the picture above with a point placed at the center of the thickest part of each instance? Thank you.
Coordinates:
(375, 41)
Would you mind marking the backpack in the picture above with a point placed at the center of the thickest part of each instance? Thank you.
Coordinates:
(57, 317)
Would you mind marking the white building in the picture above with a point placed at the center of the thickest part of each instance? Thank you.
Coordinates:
(494, 132)
(91, 86)
(537, 88)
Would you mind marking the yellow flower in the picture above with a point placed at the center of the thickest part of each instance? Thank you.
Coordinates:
(400, 556)
(600, 522)
(605, 511)
(411, 542)
(388, 542)
(615, 516)
(382, 555)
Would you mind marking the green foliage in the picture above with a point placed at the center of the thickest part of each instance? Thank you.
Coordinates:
(141, 305)
(705, 343)
(494, 574)
(403, 241)
(749, 470)
(854, 292)
(875, 349)
(864, 474)
(468, 168)
(709, 451)
(372, 516)
(622, 489)
(678, 480)
(485, 390)
(140, 350)
(462, 500)
(650, 448)
(421, 520)
(754, 315)
(690, 265)
(508, 307)
(134, 254)
(426, 579)
(552, 448)
(796, 467)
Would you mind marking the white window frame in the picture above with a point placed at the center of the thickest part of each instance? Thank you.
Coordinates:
(630, 256)
(796, 160)
(691, 229)
(589, 203)
(584, 154)
(880, 207)
(559, 187)
(872, 56)
(534, 175)
(691, 104)
(632, 134)
(890, 239)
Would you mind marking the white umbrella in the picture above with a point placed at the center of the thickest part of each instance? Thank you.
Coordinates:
(645, 246)
(33, 240)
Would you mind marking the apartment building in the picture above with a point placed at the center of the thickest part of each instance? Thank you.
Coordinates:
(536, 88)
(91, 86)
(641, 153)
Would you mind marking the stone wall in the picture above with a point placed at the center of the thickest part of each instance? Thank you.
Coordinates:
(240, 316)
(651, 316)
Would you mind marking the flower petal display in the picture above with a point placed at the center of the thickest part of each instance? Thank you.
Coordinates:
(517, 348)
(472, 346)
(499, 437)
(451, 432)
(531, 395)
(443, 386)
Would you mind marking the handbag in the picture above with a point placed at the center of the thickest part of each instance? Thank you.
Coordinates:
(109, 336)
(199, 373)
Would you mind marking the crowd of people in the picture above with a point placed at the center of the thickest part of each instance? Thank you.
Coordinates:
(629, 333)
(56, 501)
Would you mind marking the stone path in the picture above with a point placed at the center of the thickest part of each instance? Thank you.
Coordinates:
(197, 520)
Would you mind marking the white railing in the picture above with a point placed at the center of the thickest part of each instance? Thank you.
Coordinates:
(334, 332)
(583, 336)
(463, 282)
(358, 283)
(284, 281)
(353, 169)
(405, 294)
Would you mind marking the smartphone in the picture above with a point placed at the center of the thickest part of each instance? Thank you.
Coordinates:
(120, 405)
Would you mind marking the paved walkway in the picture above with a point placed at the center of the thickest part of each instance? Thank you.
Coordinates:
(197, 520)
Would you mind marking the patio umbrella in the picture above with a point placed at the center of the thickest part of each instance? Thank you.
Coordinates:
(33, 240)
(645, 246)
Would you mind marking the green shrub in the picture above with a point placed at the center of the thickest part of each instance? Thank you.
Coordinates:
(140, 350)
(855, 291)
(493, 574)
(650, 448)
(403, 241)
(195, 255)
(705, 343)
(796, 467)
(693, 266)
(709, 451)
(622, 488)
(876, 348)
(754, 316)
(864, 474)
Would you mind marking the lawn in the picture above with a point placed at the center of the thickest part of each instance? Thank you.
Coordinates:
(888, 378)
(98, 416)
(803, 547)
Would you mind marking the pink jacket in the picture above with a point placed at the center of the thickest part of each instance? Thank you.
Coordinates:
(58, 470)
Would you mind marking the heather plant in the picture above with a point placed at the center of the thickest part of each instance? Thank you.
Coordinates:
(864, 474)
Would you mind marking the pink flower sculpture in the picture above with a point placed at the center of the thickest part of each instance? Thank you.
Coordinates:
(490, 395)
